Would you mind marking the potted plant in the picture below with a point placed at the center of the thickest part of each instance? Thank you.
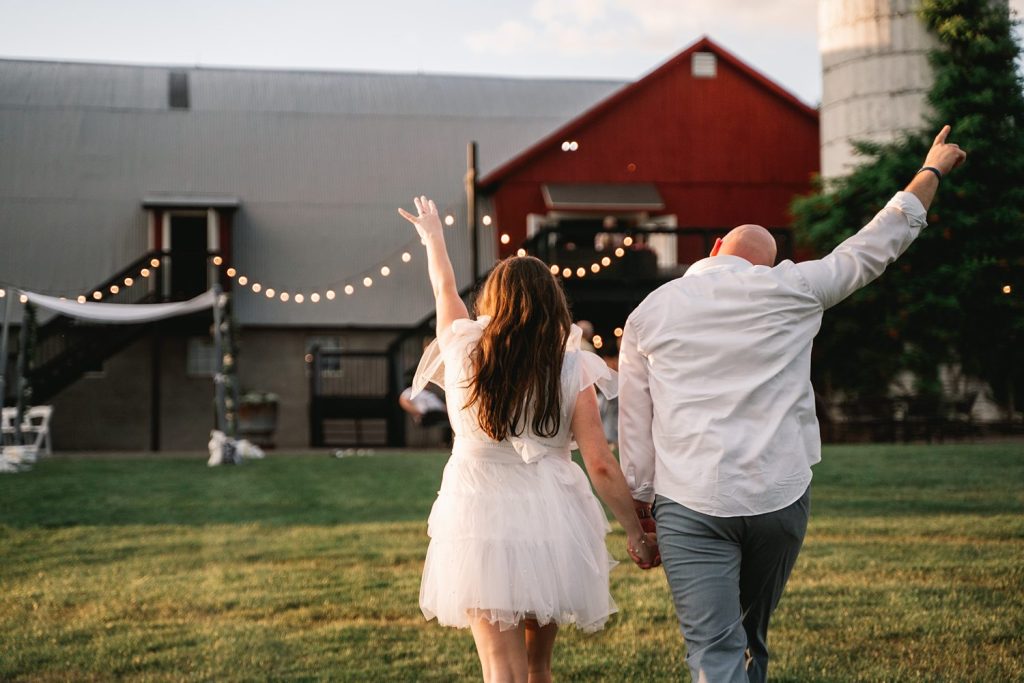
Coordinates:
(257, 417)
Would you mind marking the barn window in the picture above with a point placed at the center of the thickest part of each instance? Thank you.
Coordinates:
(177, 90)
(704, 65)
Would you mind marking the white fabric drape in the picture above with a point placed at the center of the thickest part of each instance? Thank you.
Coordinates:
(122, 313)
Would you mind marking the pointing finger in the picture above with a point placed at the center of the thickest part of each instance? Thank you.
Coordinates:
(943, 134)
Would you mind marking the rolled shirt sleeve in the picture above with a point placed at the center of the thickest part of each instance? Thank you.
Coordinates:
(636, 417)
(864, 256)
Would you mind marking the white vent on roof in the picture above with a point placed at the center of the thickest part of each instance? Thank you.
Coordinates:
(704, 65)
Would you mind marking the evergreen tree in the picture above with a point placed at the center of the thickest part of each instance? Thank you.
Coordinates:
(944, 301)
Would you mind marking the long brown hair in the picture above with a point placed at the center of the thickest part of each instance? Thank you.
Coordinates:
(518, 363)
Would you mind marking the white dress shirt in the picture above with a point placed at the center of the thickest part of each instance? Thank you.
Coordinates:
(716, 408)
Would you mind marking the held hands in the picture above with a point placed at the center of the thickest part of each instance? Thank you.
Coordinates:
(644, 550)
(427, 222)
(943, 155)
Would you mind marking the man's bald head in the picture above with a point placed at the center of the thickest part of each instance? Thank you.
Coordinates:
(750, 242)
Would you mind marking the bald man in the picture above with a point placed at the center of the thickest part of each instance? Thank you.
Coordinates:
(717, 425)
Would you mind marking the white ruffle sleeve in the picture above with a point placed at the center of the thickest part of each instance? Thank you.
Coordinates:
(462, 332)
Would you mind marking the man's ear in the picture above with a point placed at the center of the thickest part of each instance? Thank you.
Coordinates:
(718, 245)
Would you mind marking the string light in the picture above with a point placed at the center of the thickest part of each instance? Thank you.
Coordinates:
(144, 272)
(367, 281)
(620, 252)
(406, 257)
(628, 241)
(330, 295)
(299, 298)
(567, 272)
(521, 252)
(154, 262)
(554, 269)
(349, 289)
(284, 296)
(594, 267)
(256, 287)
(606, 261)
(581, 271)
(385, 271)
(128, 282)
(243, 280)
(81, 298)
(217, 260)
(23, 299)
(114, 289)
(3, 293)
(597, 341)
(505, 239)
(449, 220)
(486, 219)
(618, 331)
(270, 292)
(1007, 289)
(314, 297)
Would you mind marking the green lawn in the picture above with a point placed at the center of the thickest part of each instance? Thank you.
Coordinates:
(307, 568)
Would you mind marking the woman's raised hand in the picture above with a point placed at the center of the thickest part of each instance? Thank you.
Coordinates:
(427, 221)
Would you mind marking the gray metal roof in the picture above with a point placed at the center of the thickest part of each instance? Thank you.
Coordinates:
(318, 161)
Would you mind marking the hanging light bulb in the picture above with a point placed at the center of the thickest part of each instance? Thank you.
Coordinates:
(597, 341)
(330, 295)
(486, 219)
(299, 298)
(23, 299)
(620, 252)
(256, 287)
(3, 293)
(594, 267)
(97, 295)
(81, 298)
(243, 280)
(628, 241)
(581, 271)
(144, 272)
(154, 262)
(367, 281)
(217, 260)
(606, 261)
(284, 296)
(406, 257)
(618, 331)
(128, 282)
(567, 272)
(231, 272)
(554, 269)
(449, 220)
(270, 292)
(505, 239)
(314, 297)
(385, 271)
(521, 252)
(114, 289)
(349, 290)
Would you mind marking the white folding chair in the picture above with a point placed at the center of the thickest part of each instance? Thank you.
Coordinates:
(36, 422)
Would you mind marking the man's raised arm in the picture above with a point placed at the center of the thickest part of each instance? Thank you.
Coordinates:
(864, 256)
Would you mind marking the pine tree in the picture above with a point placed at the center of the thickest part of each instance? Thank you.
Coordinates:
(943, 302)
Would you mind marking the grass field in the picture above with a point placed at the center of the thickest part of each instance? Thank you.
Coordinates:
(307, 568)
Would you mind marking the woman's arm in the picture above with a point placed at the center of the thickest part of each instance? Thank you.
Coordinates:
(607, 478)
(450, 306)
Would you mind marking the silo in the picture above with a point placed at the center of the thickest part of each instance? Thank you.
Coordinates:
(875, 74)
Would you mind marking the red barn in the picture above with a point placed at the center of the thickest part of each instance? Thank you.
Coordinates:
(699, 145)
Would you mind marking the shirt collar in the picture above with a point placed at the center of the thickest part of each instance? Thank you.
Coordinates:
(720, 262)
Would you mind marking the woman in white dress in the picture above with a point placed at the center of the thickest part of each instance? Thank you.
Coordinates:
(517, 537)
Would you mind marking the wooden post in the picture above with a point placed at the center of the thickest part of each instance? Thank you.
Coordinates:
(218, 350)
(8, 305)
(19, 400)
(474, 233)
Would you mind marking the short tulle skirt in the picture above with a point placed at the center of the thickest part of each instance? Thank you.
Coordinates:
(511, 540)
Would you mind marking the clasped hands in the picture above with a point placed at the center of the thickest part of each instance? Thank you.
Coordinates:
(645, 552)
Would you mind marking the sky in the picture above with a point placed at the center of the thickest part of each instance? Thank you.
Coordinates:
(603, 39)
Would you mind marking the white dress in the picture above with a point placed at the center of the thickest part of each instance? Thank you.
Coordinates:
(516, 531)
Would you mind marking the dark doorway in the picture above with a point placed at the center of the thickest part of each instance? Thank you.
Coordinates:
(189, 276)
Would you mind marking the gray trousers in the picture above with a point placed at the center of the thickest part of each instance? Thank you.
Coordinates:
(727, 575)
